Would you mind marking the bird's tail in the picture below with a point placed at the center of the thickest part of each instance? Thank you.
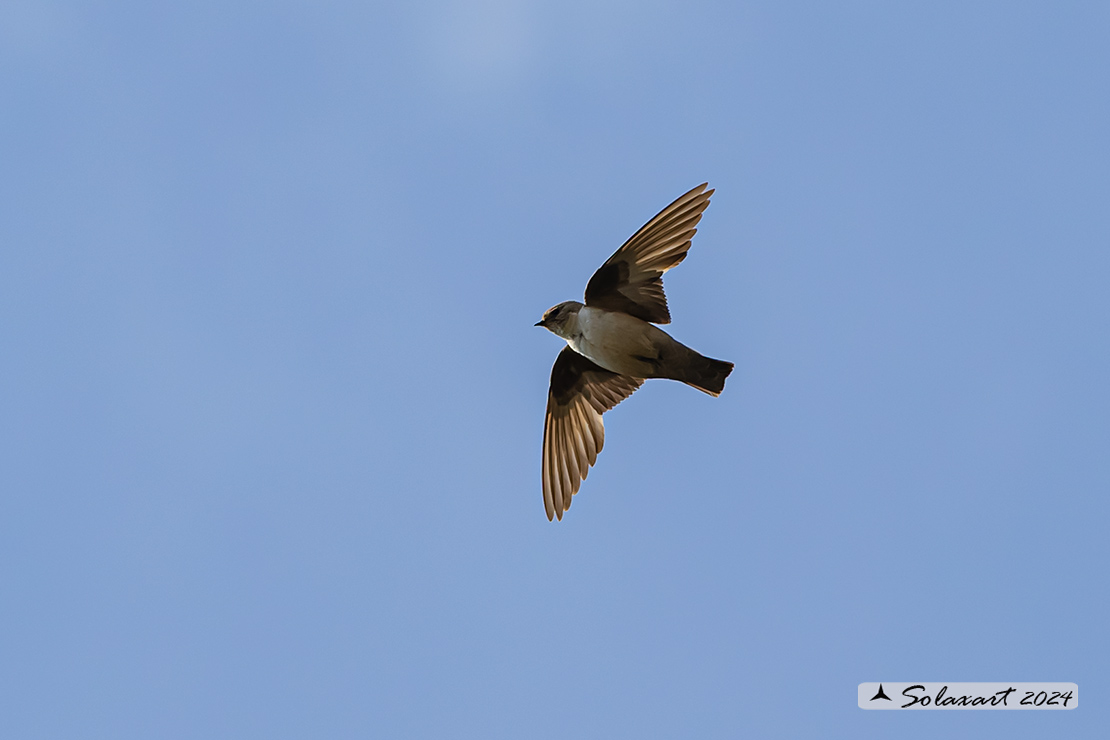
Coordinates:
(704, 373)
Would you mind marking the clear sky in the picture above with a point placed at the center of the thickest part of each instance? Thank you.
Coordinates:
(272, 398)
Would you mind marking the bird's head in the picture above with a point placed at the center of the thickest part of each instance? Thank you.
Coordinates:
(560, 319)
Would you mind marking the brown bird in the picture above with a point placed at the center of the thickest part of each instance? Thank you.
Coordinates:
(613, 346)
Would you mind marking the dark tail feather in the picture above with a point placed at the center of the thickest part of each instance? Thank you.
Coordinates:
(705, 373)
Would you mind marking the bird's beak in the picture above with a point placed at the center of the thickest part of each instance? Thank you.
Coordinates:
(538, 323)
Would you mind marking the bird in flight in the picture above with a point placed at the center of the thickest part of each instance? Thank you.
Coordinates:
(613, 346)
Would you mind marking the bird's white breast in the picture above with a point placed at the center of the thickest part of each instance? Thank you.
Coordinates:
(612, 339)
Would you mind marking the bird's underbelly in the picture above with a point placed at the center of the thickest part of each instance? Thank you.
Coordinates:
(618, 342)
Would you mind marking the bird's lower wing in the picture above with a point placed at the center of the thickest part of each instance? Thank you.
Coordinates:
(573, 433)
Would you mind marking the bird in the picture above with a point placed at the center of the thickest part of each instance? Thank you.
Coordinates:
(613, 346)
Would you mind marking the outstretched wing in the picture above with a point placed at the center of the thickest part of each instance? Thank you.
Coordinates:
(631, 280)
(581, 391)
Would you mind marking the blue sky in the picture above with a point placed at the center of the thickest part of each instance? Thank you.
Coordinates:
(272, 398)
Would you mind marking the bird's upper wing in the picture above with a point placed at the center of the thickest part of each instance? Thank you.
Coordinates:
(581, 391)
(631, 280)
